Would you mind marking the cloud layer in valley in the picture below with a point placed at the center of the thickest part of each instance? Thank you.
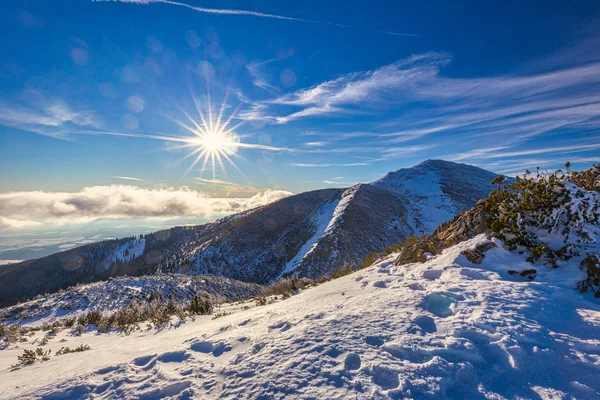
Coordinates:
(28, 209)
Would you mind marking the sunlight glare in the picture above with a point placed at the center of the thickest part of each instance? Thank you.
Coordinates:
(213, 139)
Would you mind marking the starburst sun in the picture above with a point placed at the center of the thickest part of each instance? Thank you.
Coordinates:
(213, 140)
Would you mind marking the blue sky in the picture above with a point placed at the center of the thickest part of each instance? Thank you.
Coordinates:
(319, 93)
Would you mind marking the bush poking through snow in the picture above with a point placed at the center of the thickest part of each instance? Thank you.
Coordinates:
(342, 271)
(591, 264)
(90, 318)
(286, 287)
(532, 210)
(12, 333)
(67, 350)
(201, 305)
(31, 356)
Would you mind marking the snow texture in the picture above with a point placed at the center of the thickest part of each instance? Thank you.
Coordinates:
(443, 329)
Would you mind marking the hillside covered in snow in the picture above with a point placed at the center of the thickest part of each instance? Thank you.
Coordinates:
(500, 302)
(310, 234)
(121, 292)
(445, 328)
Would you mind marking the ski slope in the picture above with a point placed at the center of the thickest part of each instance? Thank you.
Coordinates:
(445, 329)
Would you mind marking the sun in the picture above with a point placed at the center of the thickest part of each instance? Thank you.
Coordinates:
(213, 140)
(216, 142)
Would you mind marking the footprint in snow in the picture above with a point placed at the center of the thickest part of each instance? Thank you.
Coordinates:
(374, 341)
(416, 286)
(439, 304)
(352, 362)
(146, 362)
(384, 377)
(414, 356)
(426, 323)
(473, 274)
(380, 284)
(282, 326)
(174, 356)
(216, 349)
(432, 274)
(180, 389)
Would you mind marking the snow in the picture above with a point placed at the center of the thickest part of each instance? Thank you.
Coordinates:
(445, 328)
(436, 190)
(126, 252)
(118, 292)
(429, 205)
(325, 220)
(322, 220)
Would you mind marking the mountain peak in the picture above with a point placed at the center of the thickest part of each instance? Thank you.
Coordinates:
(437, 163)
(436, 190)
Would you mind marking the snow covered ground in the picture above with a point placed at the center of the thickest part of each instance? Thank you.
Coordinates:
(446, 328)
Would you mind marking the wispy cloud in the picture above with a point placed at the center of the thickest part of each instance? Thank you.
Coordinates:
(228, 187)
(259, 78)
(317, 165)
(363, 88)
(129, 178)
(51, 117)
(493, 153)
(337, 181)
(8, 223)
(26, 209)
(226, 11)
(481, 117)
(315, 144)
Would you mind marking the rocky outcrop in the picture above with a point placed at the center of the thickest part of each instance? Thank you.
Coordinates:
(460, 228)
(464, 226)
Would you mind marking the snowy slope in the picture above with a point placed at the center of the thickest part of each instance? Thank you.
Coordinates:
(120, 292)
(437, 190)
(445, 328)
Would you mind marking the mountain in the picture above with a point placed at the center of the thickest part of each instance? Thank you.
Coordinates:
(309, 234)
(500, 302)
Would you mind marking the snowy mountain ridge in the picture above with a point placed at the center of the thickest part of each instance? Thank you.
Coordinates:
(310, 234)
(437, 190)
(494, 308)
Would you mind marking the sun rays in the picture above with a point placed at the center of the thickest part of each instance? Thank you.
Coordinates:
(214, 140)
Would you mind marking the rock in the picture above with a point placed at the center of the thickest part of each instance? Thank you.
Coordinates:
(464, 226)
(460, 228)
